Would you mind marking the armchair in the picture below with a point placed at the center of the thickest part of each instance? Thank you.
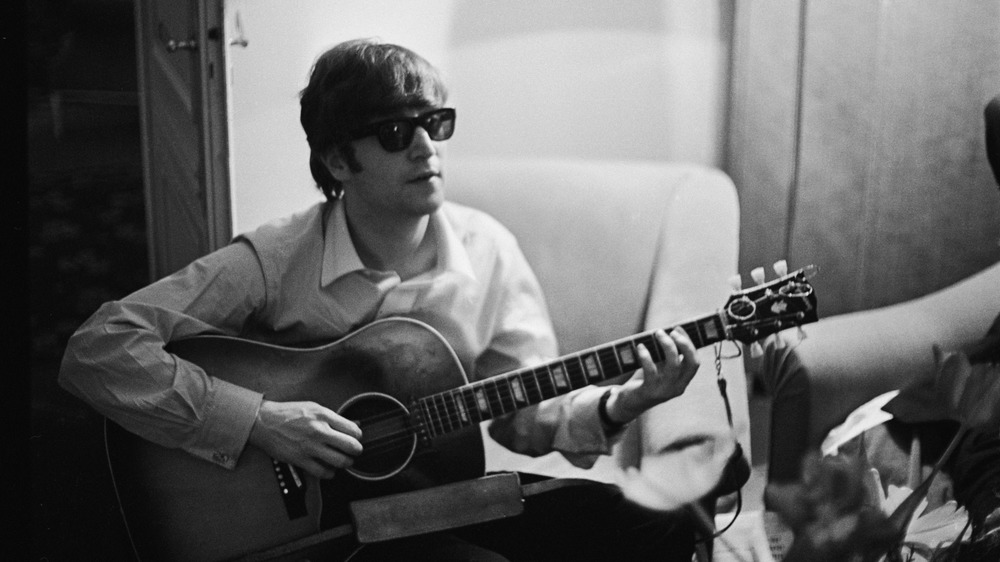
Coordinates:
(620, 247)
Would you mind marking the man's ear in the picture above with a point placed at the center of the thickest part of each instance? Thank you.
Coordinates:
(335, 163)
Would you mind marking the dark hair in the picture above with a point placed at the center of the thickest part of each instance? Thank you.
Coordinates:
(352, 83)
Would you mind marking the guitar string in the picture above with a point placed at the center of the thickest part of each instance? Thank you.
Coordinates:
(496, 400)
(455, 420)
(452, 418)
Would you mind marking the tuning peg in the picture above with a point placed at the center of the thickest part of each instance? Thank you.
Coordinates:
(736, 282)
(756, 350)
(758, 275)
(781, 268)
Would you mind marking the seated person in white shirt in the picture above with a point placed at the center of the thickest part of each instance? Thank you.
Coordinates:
(385, 243)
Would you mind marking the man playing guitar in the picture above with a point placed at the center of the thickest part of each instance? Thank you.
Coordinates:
(383, 244)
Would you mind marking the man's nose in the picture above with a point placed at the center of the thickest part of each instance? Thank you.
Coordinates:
(422, 146)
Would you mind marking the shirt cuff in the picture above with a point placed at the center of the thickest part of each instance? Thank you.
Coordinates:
(584, 434)
(229, 417)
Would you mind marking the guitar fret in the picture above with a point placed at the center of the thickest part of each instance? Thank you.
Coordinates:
(442, 415)
(517, 387)
(711, 329)
(696, 334)
(652, 346)
(609, 362)
(450, 414)
(627, 356)
(469, 399)
(693, 332)
(546, 382)
(429, 418)
(463, 413)
(452, 410)
(562, 383)
(483, 403)
(504, 394)
(592, 367)
(532, 384)
(574, 370)
(490, 392)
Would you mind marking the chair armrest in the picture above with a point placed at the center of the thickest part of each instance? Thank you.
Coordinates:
(846, 360)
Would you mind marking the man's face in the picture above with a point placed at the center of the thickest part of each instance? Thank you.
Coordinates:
(406, 183)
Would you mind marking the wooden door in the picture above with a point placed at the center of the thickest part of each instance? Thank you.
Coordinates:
(857, 143)
(182, 99)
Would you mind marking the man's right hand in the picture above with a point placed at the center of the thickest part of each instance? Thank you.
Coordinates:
(306, 435)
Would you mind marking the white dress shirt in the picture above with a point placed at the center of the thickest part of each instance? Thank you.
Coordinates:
(299, 281)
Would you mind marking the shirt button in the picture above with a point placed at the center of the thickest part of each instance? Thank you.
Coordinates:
(221, 458)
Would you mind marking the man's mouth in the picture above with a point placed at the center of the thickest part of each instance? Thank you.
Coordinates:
(426, 176)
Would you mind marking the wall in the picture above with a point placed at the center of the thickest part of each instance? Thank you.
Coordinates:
(857, 143)
(570, 78)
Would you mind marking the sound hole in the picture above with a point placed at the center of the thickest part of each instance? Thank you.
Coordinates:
(386, 434)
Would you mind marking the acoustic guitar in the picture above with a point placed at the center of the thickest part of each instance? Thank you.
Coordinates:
(403, 384)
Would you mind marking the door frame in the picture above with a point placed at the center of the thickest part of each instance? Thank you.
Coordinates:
(213, 127)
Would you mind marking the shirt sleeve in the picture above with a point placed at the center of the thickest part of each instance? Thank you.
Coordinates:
(523, 337)
(116, 361)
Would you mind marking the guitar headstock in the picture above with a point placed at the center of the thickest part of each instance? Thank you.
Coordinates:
(769, 307)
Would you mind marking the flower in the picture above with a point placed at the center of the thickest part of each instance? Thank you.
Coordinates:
(830, 514)
(929, 532)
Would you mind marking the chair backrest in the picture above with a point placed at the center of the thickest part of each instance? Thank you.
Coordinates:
(619, 247)
(594, 232)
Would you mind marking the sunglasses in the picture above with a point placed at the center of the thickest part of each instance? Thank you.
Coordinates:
(397, 134)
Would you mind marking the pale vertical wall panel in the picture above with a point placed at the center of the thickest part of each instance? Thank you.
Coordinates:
(840, 132)
(895, 198)
(761, 143)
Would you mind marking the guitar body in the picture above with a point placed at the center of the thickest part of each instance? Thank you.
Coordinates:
(179, 507)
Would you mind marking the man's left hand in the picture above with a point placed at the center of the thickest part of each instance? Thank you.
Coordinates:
(656, 383)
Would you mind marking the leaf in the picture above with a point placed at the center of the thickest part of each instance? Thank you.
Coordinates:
(922, 399)
(868, 415)
(969, 394)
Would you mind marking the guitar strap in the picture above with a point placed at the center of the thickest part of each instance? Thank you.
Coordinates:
(736, 473)
(425, 511)
(737, 470)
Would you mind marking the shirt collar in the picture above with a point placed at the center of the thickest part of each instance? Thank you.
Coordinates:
(340, 256)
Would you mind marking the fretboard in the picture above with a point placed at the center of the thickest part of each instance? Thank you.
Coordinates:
(483, 400)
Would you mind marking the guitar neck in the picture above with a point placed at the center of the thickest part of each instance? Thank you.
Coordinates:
(483, 400)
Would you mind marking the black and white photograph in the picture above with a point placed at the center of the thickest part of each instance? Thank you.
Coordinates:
(524, 281)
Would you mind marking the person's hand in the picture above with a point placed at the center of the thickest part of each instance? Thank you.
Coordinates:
(306, 435)
(656, 383)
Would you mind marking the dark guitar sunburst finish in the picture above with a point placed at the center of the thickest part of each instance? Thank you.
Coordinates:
(179, 507)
